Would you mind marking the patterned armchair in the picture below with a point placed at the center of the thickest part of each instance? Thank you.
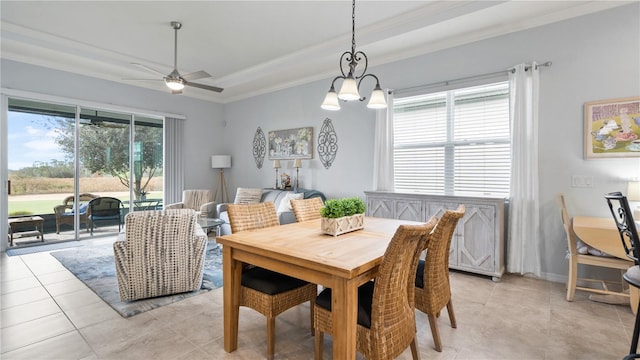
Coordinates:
(163, 253)
(64, 213)
(199, 200)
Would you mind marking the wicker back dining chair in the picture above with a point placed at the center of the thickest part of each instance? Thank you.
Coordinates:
(577, 258)
(307, 209)
(432, 287)
(265, 291)
(622, 215)
(386, 314)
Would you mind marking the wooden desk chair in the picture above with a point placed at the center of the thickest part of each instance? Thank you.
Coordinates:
(623, 217)
(576, 258)
(307, 209)
(433, 291)
(265, 291)
(386, 312)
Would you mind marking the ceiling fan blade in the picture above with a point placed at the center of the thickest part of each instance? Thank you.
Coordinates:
(130, 79)
(206, 87)
(149, 69)
(196, 75)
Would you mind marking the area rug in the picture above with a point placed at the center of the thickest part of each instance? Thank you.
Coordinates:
(40, 248)
(94, 266)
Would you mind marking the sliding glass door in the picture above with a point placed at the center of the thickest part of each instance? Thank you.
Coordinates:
(61, 157)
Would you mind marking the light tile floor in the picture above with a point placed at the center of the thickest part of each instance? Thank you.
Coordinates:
(47, 313)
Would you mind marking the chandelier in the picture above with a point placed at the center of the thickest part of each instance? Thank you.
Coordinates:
(351, 80)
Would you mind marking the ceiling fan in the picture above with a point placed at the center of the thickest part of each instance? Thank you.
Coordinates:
(100, 123)
(174, 80)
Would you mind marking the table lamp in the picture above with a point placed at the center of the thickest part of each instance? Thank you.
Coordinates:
(276, 165)
(633, 194)
(221, 162)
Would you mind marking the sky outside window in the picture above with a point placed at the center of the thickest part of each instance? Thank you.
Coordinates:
(30, 141)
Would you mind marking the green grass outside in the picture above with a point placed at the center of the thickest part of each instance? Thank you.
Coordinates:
(32, 207)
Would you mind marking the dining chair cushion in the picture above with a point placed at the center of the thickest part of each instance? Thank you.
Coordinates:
(365, 301)
(269, 282)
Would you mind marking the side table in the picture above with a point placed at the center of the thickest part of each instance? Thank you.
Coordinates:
(209, 224)
(30, 222)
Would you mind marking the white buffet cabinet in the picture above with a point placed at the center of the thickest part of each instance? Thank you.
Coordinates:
(477, 245)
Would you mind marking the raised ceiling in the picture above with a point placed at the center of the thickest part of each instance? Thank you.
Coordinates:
(253, 47)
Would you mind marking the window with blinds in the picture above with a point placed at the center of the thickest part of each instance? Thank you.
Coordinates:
(453, 143)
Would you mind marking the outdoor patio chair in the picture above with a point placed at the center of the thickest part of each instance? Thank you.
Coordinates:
(64, 213)
(105, 209)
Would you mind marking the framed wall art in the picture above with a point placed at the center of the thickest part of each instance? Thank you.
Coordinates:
(291, 144)
(612, 128)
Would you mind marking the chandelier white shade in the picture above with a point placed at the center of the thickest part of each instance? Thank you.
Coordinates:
(331, 100)
(353, 69)
(377, 100)
(349, 90)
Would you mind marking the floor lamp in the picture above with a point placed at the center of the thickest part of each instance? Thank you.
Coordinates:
(221, 162)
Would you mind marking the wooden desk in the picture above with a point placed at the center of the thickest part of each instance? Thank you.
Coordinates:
(602, 234)
(300, 250)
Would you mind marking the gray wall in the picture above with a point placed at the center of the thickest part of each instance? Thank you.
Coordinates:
(594, 57)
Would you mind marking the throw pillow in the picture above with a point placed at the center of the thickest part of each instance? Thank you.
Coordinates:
(248, 196)
(285, 204)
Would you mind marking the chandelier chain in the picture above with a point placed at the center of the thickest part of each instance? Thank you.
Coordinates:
(353, 27)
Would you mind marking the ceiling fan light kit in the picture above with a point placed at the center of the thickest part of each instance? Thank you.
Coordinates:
(350, 80)
(174, 84)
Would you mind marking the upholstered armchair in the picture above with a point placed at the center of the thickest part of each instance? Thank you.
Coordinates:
(64, 213)
(201, 201)
(163, 253)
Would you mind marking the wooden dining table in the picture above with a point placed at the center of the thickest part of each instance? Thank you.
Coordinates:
(301, 250)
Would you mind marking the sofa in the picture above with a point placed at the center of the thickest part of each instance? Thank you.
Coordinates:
(280, 199)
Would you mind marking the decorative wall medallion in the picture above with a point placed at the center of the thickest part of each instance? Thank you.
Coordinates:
(259, 147)
(327, 143)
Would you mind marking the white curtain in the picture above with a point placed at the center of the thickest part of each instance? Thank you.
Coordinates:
(173, 160)
(383, 148)
(524, 217)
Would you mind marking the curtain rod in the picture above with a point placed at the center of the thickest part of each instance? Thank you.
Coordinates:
(469, 78)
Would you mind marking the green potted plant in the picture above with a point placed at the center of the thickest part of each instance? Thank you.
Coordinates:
(343, 215)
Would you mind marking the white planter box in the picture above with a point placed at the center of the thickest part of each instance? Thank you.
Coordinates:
(342, 225)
